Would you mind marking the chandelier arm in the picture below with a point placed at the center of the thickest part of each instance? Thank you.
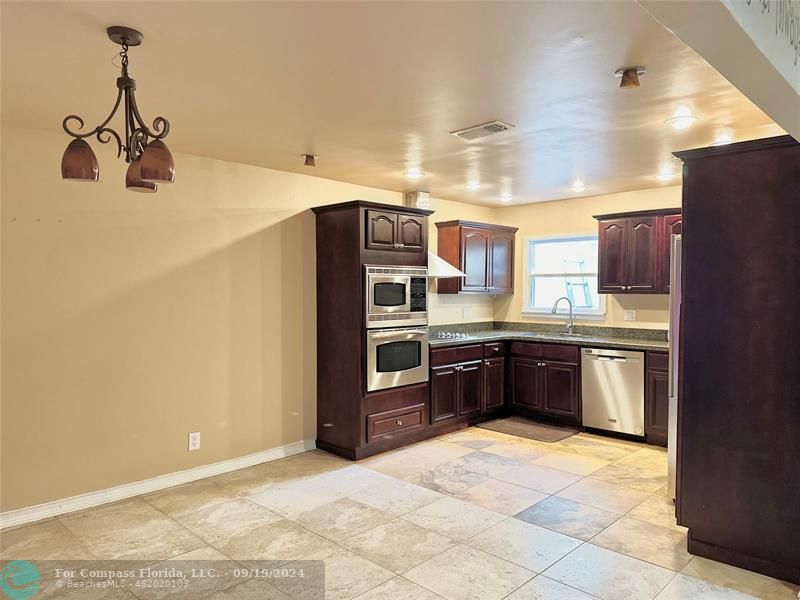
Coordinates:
(111, 135)
(160, 124)
(96, 130)
(136, 142)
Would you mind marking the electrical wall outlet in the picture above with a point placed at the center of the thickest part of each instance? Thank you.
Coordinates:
(630, 315)
(194, 441)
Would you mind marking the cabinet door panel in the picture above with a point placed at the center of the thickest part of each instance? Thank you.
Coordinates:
(642, 254)
(612, 259)
(410, 233)
(526, 382)
(671, 225)
(493, 383)
(501, 272)
(444, 391)
(475, 259)
(381, 230)
(560, 395)
(656, 409)
(470, 386)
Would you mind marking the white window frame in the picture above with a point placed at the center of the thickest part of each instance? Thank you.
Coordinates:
(563, 308)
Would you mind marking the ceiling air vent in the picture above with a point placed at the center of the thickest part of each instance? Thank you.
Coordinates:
(477, 132)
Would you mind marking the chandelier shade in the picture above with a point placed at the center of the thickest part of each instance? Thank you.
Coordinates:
(141, 145)
(134, 181)
(79, 162)
(157, 164)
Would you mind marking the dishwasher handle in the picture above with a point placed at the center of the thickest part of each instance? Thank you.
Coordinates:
(612, 358)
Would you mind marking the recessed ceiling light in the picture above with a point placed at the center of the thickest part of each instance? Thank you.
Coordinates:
(665, 174)
(506, 196)
(413, 174)
(578, 186)
(722, 137)
(682, 118)
(473, 185)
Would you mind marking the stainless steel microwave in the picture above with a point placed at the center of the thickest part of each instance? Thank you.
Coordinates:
(396, 357)
(396, 296)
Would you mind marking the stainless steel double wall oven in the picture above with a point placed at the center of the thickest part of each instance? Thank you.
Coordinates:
(396, 319)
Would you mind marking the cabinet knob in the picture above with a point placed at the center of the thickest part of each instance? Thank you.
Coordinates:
(401, 245)
(398, 422)
(628, 287)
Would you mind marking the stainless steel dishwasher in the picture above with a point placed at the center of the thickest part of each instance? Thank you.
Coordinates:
(612, 385)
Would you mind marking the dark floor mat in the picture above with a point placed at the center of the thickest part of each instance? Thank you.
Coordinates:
(529, 429)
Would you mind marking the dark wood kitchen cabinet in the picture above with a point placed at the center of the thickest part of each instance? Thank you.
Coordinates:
(633, 251)
(656, 398)
(444, 393)
(494, 384)
(739, 405)
(395, 231)
(545, 381)
(484, 252)
(560, 395)
(456, 382)
(352, 422)
(526, 382)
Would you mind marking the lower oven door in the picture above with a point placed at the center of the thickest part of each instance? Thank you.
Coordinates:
(396, 357)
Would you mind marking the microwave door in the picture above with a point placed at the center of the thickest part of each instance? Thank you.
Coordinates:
(389, 294)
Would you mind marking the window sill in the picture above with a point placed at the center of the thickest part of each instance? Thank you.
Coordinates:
(561, 316)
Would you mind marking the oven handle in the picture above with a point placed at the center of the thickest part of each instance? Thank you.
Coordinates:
(394, 332)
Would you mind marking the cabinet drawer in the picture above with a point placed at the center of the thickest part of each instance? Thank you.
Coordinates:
(560, 352)
(492, 350)
(449, 356)
(396, 421)
(657, 361)
(533, 350)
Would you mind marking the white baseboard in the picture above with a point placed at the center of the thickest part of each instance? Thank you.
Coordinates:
(20, 516)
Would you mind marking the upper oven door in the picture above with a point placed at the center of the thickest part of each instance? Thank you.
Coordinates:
(388, 293)
(396, 357)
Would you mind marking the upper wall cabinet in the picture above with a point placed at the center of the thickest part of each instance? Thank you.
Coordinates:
(484, 252)
(634, 251)
(390, 230)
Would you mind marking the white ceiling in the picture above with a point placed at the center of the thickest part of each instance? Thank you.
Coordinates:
(375, 88)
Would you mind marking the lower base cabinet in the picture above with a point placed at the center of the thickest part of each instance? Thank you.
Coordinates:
(444, 393)
(456, 390)
(656, 398)
(494, 384)
(467, 381)
(561, 383)
(545, 380)
(526, 382)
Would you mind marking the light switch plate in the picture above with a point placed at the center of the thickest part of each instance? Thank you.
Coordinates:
(630, 315)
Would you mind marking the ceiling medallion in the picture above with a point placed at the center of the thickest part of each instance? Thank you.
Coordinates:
(148, 156)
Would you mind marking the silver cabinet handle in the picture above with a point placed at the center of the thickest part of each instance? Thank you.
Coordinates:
(398, 422)
(402, 245)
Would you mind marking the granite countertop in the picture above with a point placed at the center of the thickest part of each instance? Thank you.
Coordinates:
(585, 340)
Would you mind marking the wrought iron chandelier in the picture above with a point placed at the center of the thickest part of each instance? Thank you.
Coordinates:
(148, 156)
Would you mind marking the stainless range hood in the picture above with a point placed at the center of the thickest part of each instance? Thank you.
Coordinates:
(440, 268)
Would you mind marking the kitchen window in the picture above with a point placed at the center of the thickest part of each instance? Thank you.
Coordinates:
(563, 266)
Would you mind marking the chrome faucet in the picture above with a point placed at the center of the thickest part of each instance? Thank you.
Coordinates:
(571, 320)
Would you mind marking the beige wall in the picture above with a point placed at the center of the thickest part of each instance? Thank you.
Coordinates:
(130, 319)
(572, 217)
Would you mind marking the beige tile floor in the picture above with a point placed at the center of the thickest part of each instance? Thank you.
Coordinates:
(475, 515)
